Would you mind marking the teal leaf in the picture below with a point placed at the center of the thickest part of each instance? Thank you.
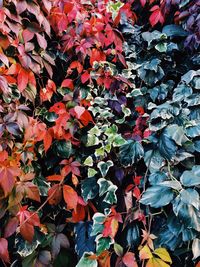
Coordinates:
(174, 30)
(89, 188)
(130, 153)
(104, 167)
(167, 146)
(103, 243)
(86, 261)
(191, 178)
(152, 196)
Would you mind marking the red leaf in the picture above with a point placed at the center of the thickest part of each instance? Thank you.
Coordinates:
(27, 221)
(7, 177)
(136, 193)
(55, 177)
(11, 227)
(83, 115)
(4, 250)
(70, 197)
(129, 260)
(68, 83)
(85, 77)
(79, 214)
(156, 16)
(47, 140)
(110, 227)
(22, 79)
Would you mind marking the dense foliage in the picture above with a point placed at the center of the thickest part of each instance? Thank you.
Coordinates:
(99, 133)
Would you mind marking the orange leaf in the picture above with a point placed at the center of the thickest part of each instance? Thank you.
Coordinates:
(47, 140)
(70, 197)
(22, 79)
(55, 177)
(104, 259)
(55, 194)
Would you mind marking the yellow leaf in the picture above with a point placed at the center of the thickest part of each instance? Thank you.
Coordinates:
(156, 262)
(163, 254)
(145, 253)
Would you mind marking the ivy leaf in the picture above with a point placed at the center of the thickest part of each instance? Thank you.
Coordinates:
(191, 178)
(89, 188)
(130, 153)
(102, 243)
(167, 146)
(152, 196)
(104, 167)
(118, 249)
(87, 260)
(63, 148)
(84, 240)
(190, 196)
(109, 188)
(174, 30)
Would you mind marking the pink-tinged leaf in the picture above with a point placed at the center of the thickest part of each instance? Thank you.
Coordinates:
(41, 41)
(4, 59)
(11, 227)
(79, 111)
(129, 260)
(143, 2)
(68, 83)
(4, 250)
(156, 16)
(85, 77)
(27, 35)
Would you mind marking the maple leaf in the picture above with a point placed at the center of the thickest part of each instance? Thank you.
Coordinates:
(70, 167)
(70, 197)
(4, 250)
(148, 238)
(27, 222)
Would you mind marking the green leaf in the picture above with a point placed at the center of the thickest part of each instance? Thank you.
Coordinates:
(152, 196)
(88, 161)
(109, 188)
(118, 249)
(89, 188)
(103, 243)
(191, 178)
(161, 47)
(104, 167)
(63, 148)
(130, 153)
(85, 260)
(98, 220)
